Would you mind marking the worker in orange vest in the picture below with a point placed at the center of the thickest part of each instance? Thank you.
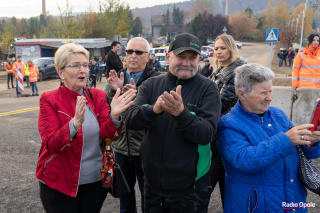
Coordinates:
(18, 68)
(306, 69)
(33, 77)
(9, 71)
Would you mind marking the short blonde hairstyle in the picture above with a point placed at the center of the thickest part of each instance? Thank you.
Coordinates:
(63, 53)
(231, 46)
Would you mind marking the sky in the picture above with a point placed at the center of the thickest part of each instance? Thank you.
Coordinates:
(30, 8)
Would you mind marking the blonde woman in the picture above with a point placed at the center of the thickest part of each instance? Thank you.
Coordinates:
(227, 60)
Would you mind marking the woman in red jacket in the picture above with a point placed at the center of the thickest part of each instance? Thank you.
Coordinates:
(72, 124)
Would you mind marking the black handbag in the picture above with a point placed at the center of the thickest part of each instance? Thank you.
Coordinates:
(309, 173)
(120, 187)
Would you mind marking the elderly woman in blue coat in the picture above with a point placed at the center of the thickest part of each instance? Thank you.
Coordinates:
(259, 151)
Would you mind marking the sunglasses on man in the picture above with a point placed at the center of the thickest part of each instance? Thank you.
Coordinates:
(138, 52)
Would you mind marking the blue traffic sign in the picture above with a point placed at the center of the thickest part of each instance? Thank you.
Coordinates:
(272, 35)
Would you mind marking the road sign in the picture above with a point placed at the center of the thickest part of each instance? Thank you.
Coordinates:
(272, 35)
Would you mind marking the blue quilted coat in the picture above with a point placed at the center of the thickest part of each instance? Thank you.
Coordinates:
(260, 161)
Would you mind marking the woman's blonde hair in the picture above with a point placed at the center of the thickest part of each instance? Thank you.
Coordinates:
(65, 51)
(231, 46)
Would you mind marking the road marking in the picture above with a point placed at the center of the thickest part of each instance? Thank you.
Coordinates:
(18, 111)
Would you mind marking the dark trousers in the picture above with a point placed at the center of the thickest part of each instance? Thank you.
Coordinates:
(27, 80)
(132, 170)
(90, 198)
(217, 172)
(290, 62)
(94, 81)
(10, 76)
(196, 202)
(99, 75)
(17, 87)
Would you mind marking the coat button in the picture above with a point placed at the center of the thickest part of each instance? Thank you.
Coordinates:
(71, 139)
(269, 125)
(293, 210)
(291, 180)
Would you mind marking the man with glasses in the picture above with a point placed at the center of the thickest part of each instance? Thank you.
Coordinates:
(113, 61)
(126, 147)
(179, 113)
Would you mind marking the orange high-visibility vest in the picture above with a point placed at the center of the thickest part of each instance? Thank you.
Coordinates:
(306, 69)
(18, 65)
(33, 73)
(8, 68)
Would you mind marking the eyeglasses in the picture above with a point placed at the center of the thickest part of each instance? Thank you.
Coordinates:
(78, 66)
(138, 52)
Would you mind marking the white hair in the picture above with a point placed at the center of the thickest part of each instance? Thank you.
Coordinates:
(140, 39)
(248, 75)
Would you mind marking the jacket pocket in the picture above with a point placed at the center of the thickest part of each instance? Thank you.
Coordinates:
(52, 168)
(253, 201)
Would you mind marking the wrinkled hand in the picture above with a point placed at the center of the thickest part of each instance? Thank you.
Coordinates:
(300, 135)
(172, 102)
(114, 81)
(122, 102)
(157, 108)
(78, 118)
(132, 85)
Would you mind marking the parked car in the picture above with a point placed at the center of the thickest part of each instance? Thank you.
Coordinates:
(204, 55)
(239, 44)
(208, 50)
(46, 67)
(161, 57)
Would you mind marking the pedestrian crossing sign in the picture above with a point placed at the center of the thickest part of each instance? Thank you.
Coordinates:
(272, 35)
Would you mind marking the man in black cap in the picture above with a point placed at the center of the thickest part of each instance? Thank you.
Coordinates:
(207, 69)
(179, 112)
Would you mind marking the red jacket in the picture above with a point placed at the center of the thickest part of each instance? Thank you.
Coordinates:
(59, 157)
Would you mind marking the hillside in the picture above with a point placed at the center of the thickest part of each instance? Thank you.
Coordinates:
(257, 7)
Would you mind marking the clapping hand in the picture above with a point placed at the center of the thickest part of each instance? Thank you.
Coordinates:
(78, 118)
(126, 87)
(114, 81)
(172, 103)
(122, 102)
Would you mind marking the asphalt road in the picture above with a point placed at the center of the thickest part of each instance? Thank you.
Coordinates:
(20, 143)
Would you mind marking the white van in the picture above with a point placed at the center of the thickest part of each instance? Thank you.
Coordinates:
(162, 49)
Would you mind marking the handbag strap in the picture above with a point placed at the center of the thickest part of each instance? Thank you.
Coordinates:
(89, 94)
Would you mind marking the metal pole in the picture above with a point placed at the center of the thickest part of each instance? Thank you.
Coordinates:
(271, 54)
(297, 24)
(303, 16)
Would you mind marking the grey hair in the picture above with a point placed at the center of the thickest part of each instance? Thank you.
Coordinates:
(248, 75)
(140, 39)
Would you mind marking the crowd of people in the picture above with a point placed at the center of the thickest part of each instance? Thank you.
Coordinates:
(177, 134)
(22, 71)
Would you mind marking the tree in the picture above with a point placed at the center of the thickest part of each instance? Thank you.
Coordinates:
(5, 38)
(163, 31)
(249, 12)
(167, 18)
(194, 25)
(69, 25)
(276, 15)
(137, 26)
(209, 26)
(90, 24)
(243, 24)
(307, 25)
(34, 27)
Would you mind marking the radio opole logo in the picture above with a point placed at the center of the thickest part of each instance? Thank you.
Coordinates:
(300, 205)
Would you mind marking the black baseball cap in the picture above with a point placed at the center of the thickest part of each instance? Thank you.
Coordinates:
(184, 42)
(206, 61)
